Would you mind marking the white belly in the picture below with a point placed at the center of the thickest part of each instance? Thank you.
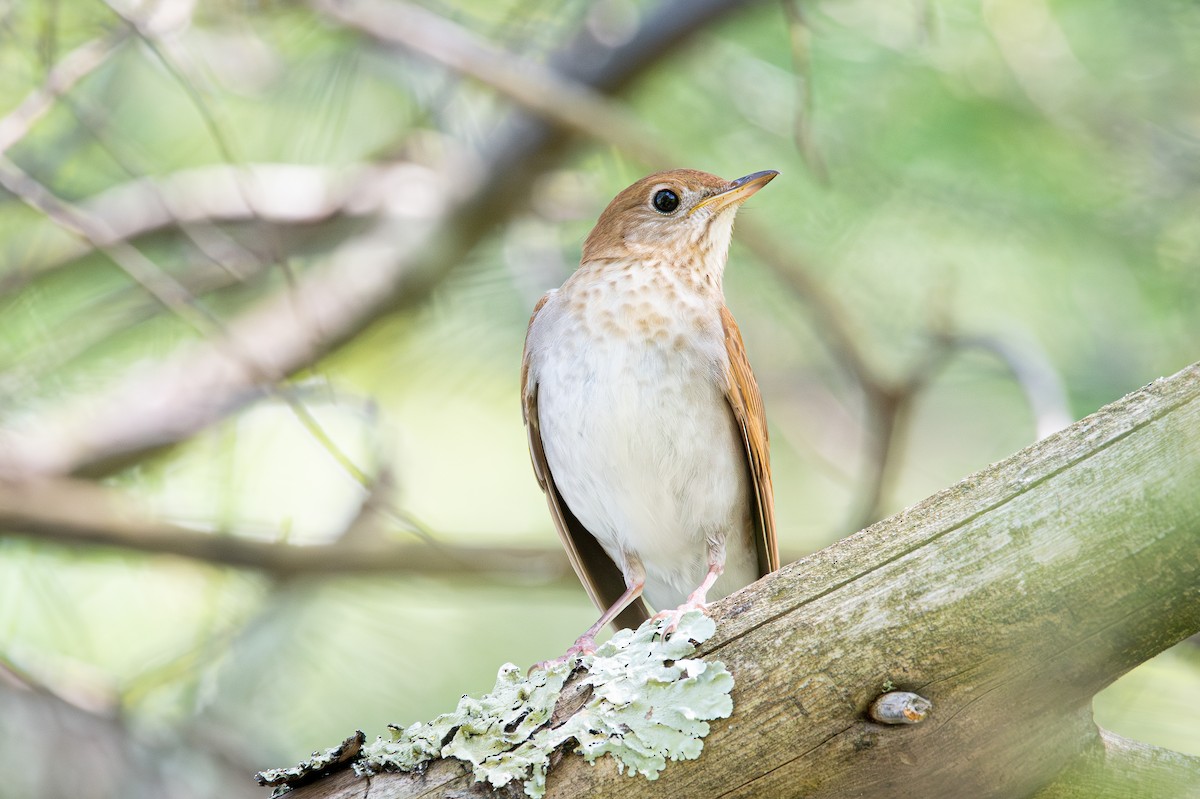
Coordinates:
(642, 445)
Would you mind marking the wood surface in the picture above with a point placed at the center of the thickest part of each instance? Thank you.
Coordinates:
(1008, 600)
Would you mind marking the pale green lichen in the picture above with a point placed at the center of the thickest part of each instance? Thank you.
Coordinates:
(650, 703)
(321, 763)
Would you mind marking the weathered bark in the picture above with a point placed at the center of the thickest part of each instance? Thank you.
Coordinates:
(1115, 768)
(1008, 600)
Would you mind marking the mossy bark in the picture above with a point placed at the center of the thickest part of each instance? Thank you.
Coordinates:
(1007, 600)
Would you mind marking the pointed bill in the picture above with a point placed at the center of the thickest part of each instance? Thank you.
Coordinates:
(737, 192)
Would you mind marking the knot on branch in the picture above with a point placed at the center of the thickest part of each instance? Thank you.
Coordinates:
(900, 707)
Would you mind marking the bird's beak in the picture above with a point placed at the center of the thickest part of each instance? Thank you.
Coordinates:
(737, 192)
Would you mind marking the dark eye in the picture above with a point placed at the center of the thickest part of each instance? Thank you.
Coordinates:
(665, 201)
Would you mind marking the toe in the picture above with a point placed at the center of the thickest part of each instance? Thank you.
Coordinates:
(577, 650)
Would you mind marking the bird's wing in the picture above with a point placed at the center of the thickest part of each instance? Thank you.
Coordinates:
(600, 576)
(741, 390)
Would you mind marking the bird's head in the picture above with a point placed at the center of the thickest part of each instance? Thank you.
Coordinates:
(682, 216)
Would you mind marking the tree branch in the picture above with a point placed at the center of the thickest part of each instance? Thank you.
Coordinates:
(157, 282)
(55, 747)
(1007, 600)
(80, 513)
(292, 195)
(543, 92)
(1112, 767)
(368, 278)
(74, 67)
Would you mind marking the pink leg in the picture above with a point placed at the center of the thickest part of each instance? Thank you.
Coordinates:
(586, 643)
(635, 580)
(698, 599)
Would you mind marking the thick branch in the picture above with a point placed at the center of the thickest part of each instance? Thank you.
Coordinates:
(1008, 600)
(1113, 767)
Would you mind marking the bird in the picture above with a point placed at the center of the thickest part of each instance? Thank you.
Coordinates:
(645, 424)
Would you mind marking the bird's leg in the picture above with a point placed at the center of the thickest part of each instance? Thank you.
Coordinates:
(586, 643)
(698, 599)
(635, 581)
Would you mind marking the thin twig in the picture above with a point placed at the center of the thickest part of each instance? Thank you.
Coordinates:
(802, 131)
(209, 239)
(179, 15)
(74, 67)
(531, 85)
(158, 283)
(81, 513)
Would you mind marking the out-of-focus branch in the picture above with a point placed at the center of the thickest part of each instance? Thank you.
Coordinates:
(802, 129)
(201, 383)
(291, 195)
(890, 406)
(539, 90)
(55, 747)
(1037, 377)
(368, 278)
(1113, 767)
(81, 513)
(339, 310)
(74, 67)
(141, 269)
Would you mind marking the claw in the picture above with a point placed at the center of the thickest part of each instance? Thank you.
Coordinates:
(697, 600)
(678, 613)
(584, 645)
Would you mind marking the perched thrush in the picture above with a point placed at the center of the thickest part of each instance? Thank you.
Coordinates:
(645, 424)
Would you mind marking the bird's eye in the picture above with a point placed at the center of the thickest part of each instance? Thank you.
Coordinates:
(665, 201)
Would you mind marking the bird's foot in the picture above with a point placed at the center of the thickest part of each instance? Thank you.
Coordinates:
(693, 603)
(584, 645)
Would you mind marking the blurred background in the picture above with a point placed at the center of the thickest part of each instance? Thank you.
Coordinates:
(265, 272)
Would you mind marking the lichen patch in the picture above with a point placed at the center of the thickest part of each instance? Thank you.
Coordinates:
(650, 703)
